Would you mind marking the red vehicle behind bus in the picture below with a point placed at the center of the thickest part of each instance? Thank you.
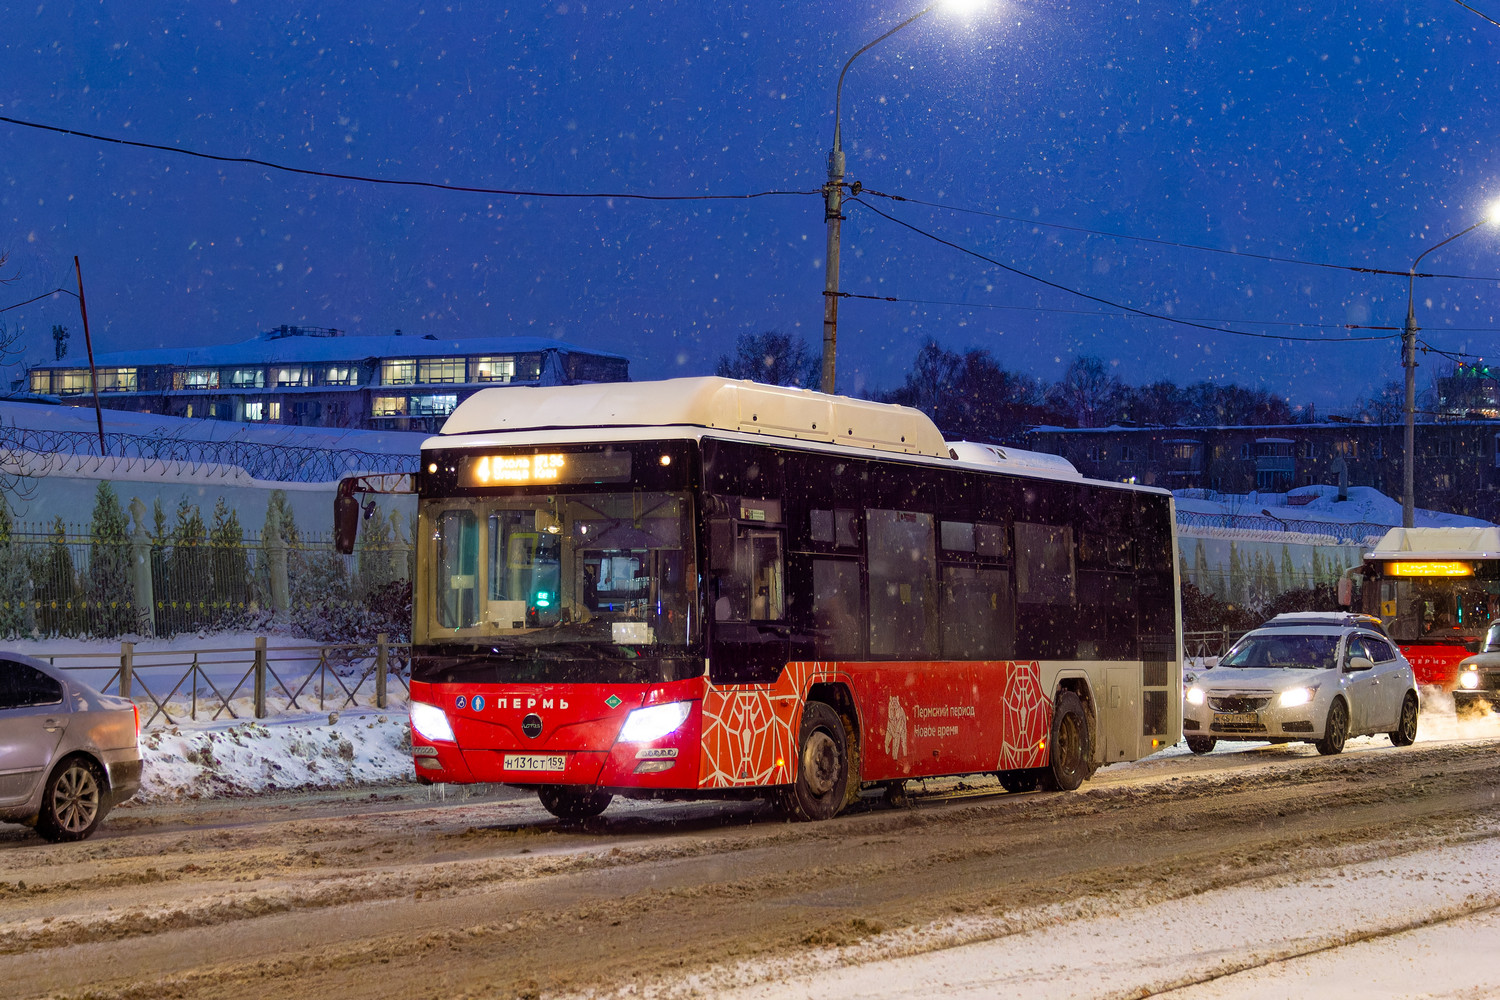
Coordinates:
(1437, 590)
(707, 588)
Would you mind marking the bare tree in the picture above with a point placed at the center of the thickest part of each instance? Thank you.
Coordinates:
(773, 358)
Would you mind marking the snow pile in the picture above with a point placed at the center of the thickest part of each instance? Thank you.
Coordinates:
(1365, 505)
(234, 758)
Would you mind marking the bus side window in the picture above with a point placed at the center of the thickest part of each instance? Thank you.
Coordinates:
(749, 572)
(836, 608)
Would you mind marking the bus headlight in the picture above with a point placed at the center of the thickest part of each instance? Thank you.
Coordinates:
(1468, 679)
(1297, 696)
(645, 724)
(430, 722)
(1195, 696)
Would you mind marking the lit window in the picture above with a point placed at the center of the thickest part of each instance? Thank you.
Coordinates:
(492, 369)
(388, 406)
(248, 378)
(273, 411)
(255, 409)
(433, 406)
(402, 371)
(296, 375)
(441, 370)
(341, 375)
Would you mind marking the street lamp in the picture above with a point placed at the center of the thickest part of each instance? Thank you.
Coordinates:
(833, 196)
(1409, 362)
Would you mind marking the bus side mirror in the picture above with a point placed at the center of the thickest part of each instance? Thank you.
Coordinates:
(345, 523)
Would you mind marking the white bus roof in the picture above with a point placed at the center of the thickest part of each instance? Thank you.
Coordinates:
(710, 402)
(1439, 543)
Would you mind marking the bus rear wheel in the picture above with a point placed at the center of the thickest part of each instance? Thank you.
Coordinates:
(1069, 747)
(822, 765)
(566, 802)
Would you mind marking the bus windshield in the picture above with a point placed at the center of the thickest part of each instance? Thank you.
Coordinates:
(613, 569)
(1428, 608)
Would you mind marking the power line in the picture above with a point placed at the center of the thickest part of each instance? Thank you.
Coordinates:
(1172, 243)
(361, 179)
(1101, 312)
(1471, 10)
(1103, 301)
(41, 296)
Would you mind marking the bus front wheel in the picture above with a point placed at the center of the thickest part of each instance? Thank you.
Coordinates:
(566, 802)
(822, 765)
(1069, 747)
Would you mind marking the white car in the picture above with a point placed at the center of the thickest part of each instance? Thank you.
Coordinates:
(1317, 683)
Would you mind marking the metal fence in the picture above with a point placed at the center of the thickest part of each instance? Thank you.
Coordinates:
(1356, 532)
(1209, 643)
(254, 681)
(274, 462)
(69, 583)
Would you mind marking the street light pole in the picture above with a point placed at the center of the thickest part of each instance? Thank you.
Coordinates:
(833, 199)
(1409, 362)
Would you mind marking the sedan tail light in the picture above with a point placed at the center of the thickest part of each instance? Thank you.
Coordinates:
(137, 709)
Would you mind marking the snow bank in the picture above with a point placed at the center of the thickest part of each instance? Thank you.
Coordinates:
(338, 750)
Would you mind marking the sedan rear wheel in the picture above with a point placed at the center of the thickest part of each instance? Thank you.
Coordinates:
(73, 801)
(1336, 730)
(1406, 727)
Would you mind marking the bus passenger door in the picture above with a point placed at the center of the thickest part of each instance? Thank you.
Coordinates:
(1121, 713)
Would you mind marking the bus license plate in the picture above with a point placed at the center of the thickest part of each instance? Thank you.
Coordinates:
(536, 762)
(1236, 718)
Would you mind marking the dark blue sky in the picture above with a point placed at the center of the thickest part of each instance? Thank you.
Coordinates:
(1342, 133)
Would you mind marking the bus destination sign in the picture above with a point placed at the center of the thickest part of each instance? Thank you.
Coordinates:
(544, 468)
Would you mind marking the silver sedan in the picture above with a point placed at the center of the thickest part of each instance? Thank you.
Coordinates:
(68, 754)
(1316, 683)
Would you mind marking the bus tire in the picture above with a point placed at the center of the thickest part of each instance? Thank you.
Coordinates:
(1335, 730)
(1202, 744)
(1022, 780)
(571, 803)
(1406, 726)
(1068, 748)
(822, 784)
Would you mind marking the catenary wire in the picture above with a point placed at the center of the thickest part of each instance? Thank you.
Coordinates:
(1099, 299)
(1358, 269)
(437, 185)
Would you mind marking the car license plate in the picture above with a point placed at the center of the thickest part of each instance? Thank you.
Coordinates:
(536, 762)
(1236, 718)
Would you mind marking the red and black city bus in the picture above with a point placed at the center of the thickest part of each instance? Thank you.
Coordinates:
(708, 588)
(1438, 591)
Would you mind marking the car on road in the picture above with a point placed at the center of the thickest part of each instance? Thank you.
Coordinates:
(1478, 683)
(1317, 679)
(68, 754)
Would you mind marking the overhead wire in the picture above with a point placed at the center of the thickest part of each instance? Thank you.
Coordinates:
(396, 182)
(1100, 299)
(1271, 258)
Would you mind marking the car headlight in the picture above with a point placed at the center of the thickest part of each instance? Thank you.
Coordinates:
(1195, 696)
(1468, 679)
(654, 722)
(1297, 696)
(430, 722)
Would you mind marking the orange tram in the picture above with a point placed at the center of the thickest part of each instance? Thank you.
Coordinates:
(704, 588)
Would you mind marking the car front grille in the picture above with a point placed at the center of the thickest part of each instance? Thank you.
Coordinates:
(1237, 727)
(1238, 703)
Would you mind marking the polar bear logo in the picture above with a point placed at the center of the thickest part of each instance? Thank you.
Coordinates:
(895, 728)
